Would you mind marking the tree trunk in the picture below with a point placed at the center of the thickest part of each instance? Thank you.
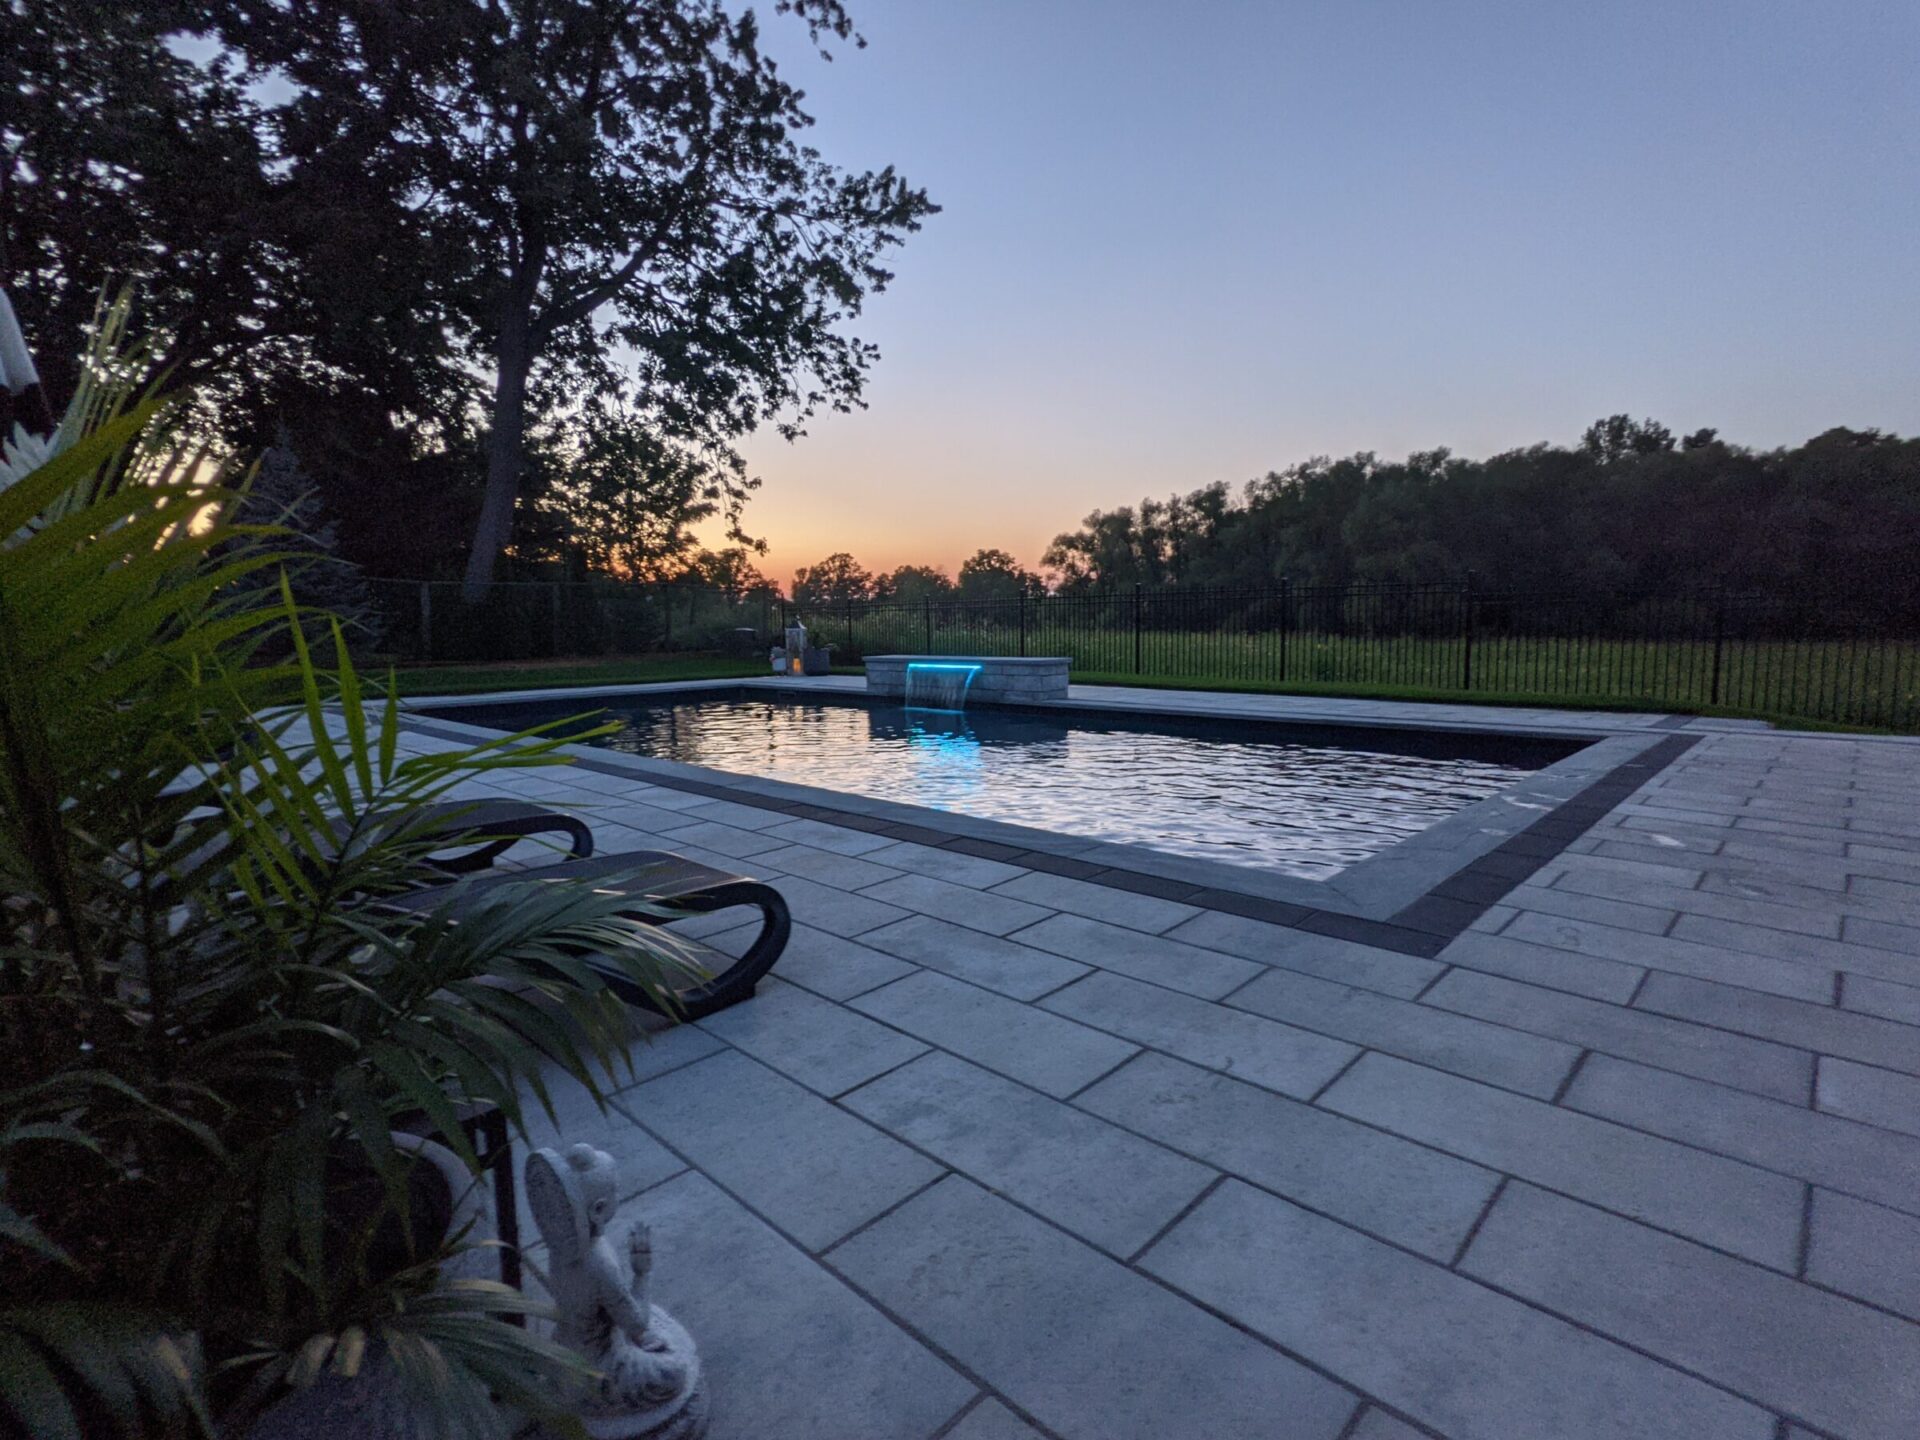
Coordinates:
(513, 360)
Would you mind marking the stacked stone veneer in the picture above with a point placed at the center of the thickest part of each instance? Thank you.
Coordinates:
(1003, 680)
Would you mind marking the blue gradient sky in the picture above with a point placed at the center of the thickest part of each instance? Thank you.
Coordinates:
(1193, 242)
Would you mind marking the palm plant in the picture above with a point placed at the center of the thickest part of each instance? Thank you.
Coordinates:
(208, 1026)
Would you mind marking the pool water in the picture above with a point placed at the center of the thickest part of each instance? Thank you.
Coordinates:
(1306, 803)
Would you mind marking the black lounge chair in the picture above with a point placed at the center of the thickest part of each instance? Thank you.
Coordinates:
(488, 828)
(681, 887)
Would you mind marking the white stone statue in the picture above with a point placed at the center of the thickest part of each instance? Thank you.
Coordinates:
(649, 1373)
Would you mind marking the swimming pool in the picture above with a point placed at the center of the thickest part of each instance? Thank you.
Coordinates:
(1305, 802)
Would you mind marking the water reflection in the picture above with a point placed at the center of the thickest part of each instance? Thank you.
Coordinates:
(1215, 792)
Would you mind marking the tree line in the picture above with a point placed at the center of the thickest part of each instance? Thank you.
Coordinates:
(1630, 509)
(985, 575)
(511, 279)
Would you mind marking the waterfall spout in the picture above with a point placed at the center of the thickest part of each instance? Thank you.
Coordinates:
(938, 686)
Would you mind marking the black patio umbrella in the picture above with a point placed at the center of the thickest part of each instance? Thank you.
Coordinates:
(22, 400)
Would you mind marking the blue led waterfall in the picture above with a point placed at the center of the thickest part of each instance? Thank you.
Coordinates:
(938, 686)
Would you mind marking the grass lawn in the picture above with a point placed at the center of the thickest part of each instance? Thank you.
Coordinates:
(1500, 688)
(546, 674)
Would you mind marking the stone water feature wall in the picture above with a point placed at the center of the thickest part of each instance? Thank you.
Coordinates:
(1001, 679)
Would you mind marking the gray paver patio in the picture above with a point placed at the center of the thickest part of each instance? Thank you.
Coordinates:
(1635, 1155)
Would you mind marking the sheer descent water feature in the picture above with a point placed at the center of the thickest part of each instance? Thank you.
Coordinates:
(938, 685)
(981, 679)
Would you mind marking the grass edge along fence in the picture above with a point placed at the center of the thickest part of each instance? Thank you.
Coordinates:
(1837, 659)
(1848, 662)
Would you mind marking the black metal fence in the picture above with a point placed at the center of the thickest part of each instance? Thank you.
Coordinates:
(429, 621)
(1835, 658)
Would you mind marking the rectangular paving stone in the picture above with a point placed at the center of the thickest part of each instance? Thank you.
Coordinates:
(1433, 1344)
(1110, 1188)
(1720, 1201)
(835, 967)
(800, 1161)
(1640, 869)
(1377, 1424)
(1323, 955)
(1572, 905)
(1837, 1364)
(1809, 950)
(1100, 902)
(837, 838)
(1742, 909)
(1841, 1154)
(1885, 998)
(1009, 967)
(789, 1348)
(1866, 1251)
(824, 1046)
(1547, 965)
(1083, 1344)
(1390, 1187)
(1049, 1052)
(843, 872)
(722, 839)
(1815, 1026)
(1810, 885)
(1901, 940)
(1757, 1065)
(835, 911)
(659, 1046)
(731, 812)
(1496, 1054)
(1156, 958)
(943, 864)
(1802, 980)
(1265, 1052)
(976, 909)
(990, 1420)
(1869, 1094)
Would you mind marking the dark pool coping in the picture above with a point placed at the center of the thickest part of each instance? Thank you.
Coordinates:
(1413, 898)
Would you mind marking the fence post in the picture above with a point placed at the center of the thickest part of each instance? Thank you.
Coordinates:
(1139, 621)
(846, 609)
(1286, 621)
(426, 620)
(1466, 659)
(1719, 639)
(1023, 624)
(926, 604)
(559, 648)
(666, 603)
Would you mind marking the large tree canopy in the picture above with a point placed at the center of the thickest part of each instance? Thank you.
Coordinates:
(513, 270)
(618, 205)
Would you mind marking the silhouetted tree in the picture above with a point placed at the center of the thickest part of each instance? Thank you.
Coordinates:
(836, 578)
(996, 575)
(912, 584)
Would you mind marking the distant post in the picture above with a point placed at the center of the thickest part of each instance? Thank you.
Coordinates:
(1286, 621)
(926, 604)
(426, 619)
(1719, 639)
(1466, 654)
(1023, 623)
(558, 647)
(1139, 624)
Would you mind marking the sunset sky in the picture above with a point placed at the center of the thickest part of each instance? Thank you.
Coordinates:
(1187, 243)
